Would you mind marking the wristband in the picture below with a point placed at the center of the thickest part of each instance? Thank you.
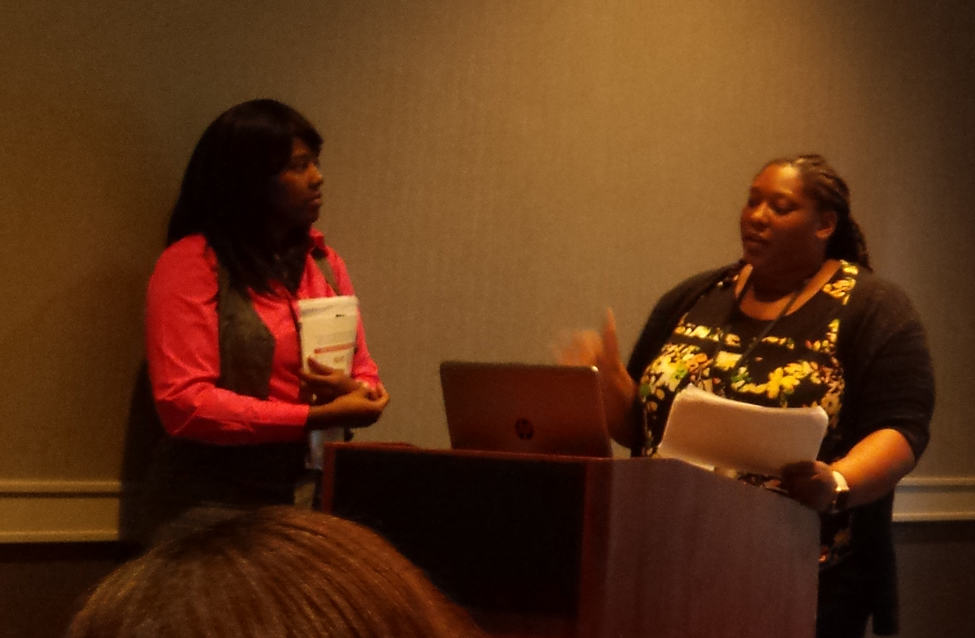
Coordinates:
(841, 495)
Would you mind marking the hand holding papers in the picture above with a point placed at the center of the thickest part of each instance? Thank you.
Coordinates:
(327, 329)
(706, 429)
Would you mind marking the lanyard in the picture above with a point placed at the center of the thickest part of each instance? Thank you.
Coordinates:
(758, 339)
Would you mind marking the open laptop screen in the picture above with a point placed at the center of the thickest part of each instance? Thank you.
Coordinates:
(528, 408)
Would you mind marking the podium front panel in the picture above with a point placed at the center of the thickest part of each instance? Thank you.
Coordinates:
(577, 547)
(497, 534)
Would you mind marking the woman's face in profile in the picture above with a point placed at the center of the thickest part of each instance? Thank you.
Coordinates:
(780, 226)
(297, 196)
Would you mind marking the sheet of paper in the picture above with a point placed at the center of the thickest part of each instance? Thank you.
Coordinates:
(706, 429)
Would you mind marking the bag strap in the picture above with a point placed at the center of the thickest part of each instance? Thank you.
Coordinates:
(321, 260)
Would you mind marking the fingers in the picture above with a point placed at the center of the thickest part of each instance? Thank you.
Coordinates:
(611, 346)
(580, 349)
(382, 396)
(374, 394)
(318, 373)
(366, 405)
(809, 482)
(591, 348)
(319, 368)
(798, 470)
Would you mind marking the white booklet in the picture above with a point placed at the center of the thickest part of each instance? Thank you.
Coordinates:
(709, 430)
(327, 329)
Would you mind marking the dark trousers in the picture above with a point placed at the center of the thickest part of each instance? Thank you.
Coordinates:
(846, 597)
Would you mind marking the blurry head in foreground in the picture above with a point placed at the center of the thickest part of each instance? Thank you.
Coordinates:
(275, 572)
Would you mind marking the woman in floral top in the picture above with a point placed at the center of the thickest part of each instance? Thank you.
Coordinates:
(799, 321)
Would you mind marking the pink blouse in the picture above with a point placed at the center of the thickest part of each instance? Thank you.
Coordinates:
(184, 359)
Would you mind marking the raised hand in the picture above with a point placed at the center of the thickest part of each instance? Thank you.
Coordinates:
(602, 350)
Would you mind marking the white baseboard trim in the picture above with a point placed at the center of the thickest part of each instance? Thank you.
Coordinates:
(51, 511)
(44, 511)
(935, 498)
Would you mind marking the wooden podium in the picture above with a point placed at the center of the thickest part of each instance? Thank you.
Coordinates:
(588, 548)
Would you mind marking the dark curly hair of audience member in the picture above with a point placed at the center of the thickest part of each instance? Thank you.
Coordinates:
(273, 573)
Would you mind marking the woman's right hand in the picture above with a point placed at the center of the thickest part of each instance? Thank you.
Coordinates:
(589, 348)
(322, 384)
(356, 409)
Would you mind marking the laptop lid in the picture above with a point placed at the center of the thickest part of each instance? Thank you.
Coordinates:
(527, 408)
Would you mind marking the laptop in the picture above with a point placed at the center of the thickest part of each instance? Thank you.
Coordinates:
(524, 408)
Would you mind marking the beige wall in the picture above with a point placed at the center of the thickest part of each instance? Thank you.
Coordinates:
(496, 172)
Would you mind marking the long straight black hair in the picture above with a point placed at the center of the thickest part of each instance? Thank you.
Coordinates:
(227, 187)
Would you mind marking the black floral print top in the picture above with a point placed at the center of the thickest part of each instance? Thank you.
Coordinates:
(857, 348)
(794, 365)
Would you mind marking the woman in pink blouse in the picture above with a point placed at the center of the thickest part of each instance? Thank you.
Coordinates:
(221, 325)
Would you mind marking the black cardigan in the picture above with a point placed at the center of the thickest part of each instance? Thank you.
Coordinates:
(889, 384)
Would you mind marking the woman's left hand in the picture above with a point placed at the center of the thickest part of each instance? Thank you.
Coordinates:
(322, 384)
(811, 483)
(360, 408)
(871, 469)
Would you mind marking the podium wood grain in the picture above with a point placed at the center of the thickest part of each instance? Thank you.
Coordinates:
(588, 548)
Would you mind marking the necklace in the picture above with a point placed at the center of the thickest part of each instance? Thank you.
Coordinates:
(726, 328)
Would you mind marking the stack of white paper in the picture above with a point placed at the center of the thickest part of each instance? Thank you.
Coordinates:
(327, 329)
(706, 429)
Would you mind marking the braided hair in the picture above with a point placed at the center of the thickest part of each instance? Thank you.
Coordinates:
(830, 193)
